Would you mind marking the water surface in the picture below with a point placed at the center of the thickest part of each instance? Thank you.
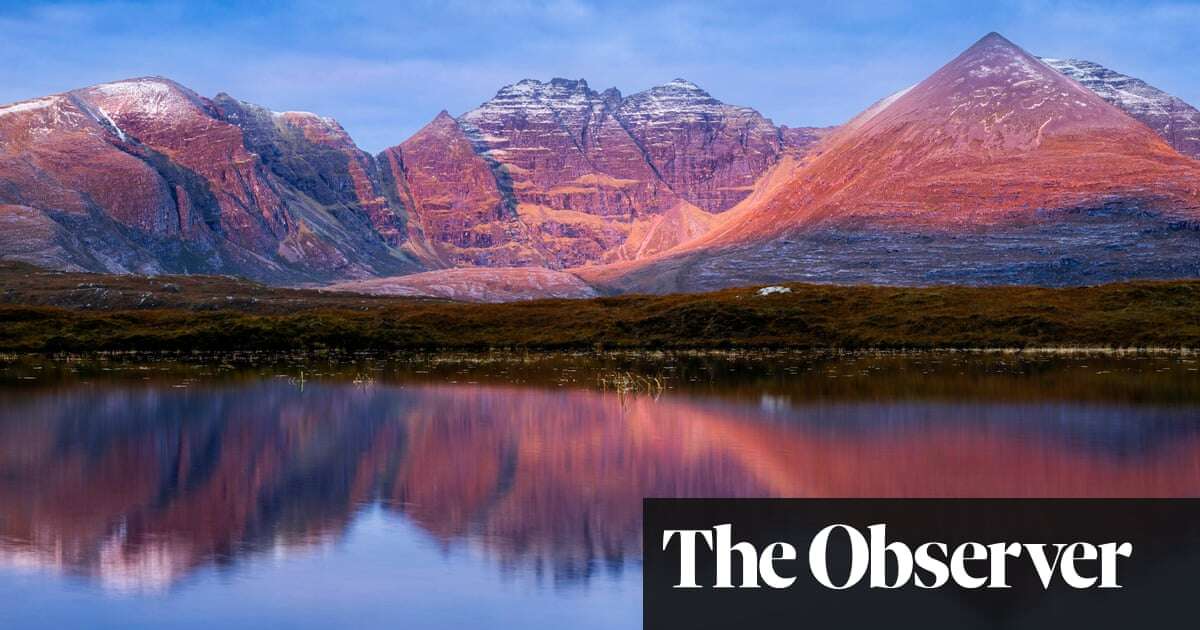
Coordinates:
(505, 490)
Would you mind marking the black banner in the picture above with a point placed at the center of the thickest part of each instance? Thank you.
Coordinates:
(931, 563)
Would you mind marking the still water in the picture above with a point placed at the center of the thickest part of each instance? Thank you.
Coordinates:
(505, 490)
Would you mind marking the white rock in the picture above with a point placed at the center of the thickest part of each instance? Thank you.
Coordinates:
(773, 290)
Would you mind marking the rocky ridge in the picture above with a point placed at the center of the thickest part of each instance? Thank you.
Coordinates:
(580, 176)
(1172, 118)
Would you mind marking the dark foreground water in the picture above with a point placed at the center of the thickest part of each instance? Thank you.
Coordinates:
(505, 491)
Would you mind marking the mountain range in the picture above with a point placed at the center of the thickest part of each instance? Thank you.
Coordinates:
(999, 168)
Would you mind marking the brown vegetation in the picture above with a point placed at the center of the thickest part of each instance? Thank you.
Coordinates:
(52, 311)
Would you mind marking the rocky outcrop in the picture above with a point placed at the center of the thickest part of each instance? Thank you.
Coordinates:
(558, 145)
(1175, 120)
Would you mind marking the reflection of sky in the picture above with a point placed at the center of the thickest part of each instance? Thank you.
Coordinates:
(384, 572)
(1115, 429)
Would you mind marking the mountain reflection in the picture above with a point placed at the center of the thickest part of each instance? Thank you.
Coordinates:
(137, 485)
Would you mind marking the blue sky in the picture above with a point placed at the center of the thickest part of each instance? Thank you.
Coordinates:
(385, 68)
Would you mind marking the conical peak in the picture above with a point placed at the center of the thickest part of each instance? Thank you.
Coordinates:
(443, 129)
(995, 39)
(441, 124)
(992, 99)
(995, 46)
(1002, 68)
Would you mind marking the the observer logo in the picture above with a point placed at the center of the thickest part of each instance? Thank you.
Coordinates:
(1045, 564)
(930, 565)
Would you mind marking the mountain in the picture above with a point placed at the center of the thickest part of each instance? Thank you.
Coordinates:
(995, 169)
(457, 209)
(556, 174)
(998, 168)
(147, 176)
(1176, 121)
(709, 152)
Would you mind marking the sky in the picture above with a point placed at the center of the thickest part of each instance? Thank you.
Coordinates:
(385, 68)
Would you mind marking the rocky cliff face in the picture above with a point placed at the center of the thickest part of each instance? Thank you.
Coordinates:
(315, 156)
(1176, 121)
(460, 212)
(580, 177)
(710, 152)
(147, 176)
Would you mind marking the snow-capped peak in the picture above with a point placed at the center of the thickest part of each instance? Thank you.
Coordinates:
(46, 113)
(307, 116)
(143, 88)
(533, 98)
(678, 97)
(683, 84)
(153, 97)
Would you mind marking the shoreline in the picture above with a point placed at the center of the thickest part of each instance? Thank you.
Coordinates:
(531, 354)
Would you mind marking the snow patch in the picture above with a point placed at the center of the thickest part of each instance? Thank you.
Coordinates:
(109, 120)
(325, 120)
(150, 97)
(28, 106)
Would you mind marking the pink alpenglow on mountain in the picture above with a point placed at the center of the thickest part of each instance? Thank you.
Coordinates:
(557, 175)
(710, 152)
(146, 176)
(458, 213)
(996, 168)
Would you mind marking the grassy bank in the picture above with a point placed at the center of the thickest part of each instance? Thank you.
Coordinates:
(52, 312)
